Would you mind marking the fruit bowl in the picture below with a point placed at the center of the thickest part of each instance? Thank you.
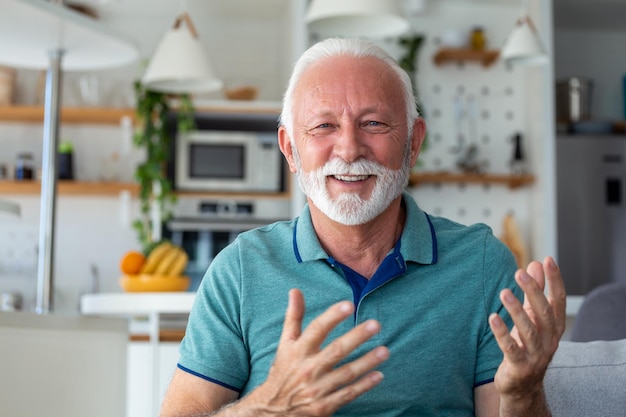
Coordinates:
(154, 283)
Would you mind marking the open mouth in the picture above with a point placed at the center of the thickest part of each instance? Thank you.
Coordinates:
(351, 178)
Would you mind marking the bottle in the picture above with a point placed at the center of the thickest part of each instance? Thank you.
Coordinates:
(24, 166)
(518, 160)
(478, 41)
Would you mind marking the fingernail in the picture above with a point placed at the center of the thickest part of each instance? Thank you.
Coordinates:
(372, 326)
(523, 276)
(551, 264)
(382, 352)
(496, 321)
(376, 376)
(509, 297)
(345, 307)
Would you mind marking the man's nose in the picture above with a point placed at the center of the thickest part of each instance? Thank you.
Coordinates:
(349, 144)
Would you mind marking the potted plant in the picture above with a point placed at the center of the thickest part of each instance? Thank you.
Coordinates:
(65, 162)
(156, 193)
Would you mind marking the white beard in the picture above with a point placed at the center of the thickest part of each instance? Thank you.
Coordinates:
(349, 208)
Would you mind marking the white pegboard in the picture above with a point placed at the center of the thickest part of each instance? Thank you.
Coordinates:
(467, 103)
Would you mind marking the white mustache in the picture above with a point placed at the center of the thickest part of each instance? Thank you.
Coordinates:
(361, 167)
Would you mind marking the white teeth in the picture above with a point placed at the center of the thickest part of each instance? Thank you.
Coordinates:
(350, 178)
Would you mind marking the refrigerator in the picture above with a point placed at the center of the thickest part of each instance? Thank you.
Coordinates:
(591, 210)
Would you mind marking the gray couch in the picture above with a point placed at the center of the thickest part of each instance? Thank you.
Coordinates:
(588, 379)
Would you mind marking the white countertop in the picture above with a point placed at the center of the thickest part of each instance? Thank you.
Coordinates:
(130, 304)
(137, 304)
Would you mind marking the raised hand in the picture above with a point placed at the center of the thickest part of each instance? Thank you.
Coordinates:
(539, 325)
(304, 379)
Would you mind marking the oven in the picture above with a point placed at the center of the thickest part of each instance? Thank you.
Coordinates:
(203, 226)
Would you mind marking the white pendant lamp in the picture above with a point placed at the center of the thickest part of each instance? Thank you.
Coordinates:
(180, 64)
(356, 18)
(523, 45)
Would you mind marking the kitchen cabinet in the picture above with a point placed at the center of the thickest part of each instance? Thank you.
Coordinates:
(150, 365)
(67, 366)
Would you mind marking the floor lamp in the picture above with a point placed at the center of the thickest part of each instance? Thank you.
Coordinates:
(36, 34)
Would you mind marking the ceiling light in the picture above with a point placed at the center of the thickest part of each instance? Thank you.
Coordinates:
(523, 45)
(180, 64)
(356, 18)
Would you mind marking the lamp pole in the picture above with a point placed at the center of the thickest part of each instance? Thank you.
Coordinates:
(45, 270)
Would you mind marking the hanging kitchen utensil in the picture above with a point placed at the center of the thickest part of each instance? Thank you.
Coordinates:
(458, 118)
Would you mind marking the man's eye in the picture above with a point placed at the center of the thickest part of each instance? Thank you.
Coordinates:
(323, 125)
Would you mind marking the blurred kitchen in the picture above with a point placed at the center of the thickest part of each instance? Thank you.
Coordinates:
(590, 79)
(498, 129)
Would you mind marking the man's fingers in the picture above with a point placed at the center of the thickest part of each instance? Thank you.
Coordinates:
(292, 326)
(537, 326)
(508, 345)
(352, 375)
(318, 330)
(535, 269)
(556, 292)
(341, 347)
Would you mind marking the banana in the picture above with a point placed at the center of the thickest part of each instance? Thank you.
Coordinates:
(166, 261)
(154, 258)
(179, 264)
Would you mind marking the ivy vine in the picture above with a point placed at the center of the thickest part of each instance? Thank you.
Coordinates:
(152, 110)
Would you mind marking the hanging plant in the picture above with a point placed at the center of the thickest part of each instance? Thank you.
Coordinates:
(156, 193)
(408, 62)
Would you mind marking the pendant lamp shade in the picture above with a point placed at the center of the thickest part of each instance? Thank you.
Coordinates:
(523, 45)
(180, 63)
(356, 18)
(30, 29)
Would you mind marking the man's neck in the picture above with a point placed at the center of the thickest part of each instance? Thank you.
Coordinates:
(362, 247)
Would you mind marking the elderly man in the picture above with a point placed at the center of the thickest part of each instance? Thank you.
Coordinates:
(407, 314)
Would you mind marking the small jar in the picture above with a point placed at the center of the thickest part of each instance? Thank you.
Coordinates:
(478, 41)
(24, 167)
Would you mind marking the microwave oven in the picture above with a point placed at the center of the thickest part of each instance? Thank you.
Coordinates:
(228, 153)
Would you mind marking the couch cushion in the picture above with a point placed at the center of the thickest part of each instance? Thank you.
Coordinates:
(587, 379)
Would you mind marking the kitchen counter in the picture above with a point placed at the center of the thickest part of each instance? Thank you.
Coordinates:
(137, 304)
(143, 304)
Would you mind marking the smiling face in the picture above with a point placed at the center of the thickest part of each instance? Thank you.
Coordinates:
(351, 146)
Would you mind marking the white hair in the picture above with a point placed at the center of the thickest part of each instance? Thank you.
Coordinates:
(357, 48)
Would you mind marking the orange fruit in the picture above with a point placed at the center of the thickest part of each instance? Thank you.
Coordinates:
(131, 262)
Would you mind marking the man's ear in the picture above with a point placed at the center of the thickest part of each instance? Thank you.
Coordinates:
(417, 138)
(284, 143)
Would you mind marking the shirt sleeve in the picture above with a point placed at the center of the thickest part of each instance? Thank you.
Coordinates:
(213, 346)
(499, 273)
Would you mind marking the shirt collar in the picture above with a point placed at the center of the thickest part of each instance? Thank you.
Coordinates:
(418, 242)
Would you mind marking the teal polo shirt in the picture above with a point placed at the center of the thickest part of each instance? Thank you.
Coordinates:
(432, 295)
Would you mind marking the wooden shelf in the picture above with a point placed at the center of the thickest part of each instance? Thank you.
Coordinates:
(512, 181)
(74, 115)
(108, 115)
(448, 55)
(77, 188)
(93, 188)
